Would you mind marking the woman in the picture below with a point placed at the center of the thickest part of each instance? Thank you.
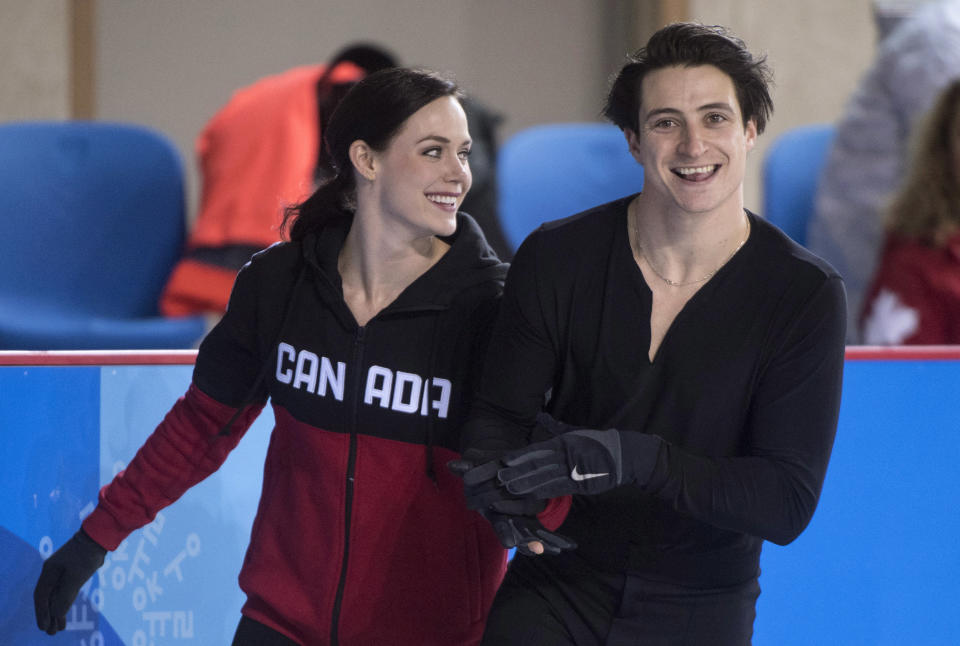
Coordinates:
(915, 294)
(364, 330)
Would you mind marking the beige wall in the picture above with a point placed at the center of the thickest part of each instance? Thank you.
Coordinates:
(818, 50)
(171, 64)
(34, 60)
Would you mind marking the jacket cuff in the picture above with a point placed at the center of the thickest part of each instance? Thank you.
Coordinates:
(640, 452)
(103, 529)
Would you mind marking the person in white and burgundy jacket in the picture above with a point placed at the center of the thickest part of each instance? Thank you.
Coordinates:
(365, 330)
(917, 56)
(914, 298)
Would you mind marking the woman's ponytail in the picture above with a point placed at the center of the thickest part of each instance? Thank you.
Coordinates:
(333, 199)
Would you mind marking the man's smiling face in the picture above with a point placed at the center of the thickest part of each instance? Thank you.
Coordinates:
(692, 142)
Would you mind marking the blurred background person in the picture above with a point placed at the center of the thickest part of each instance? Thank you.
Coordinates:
(918, 57)
(263, 151)
(915, 295)
(260, 152)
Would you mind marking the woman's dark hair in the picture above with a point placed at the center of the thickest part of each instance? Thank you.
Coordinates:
(369, 58)
(927, 205)
(691, 44)
(373, 110)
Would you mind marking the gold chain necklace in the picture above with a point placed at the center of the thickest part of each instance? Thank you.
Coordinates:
(672, 283)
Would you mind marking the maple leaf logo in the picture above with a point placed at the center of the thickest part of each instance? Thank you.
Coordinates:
(890, 321)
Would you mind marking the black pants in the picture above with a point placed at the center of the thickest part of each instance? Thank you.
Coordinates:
(579, 606)
(253, 633)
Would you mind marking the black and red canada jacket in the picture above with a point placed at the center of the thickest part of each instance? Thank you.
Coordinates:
(361, 536)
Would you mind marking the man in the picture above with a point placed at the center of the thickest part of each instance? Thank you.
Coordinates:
(707, 346)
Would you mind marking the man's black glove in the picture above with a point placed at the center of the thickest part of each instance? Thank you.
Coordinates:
(514, 518)
(578, 461)
(61, 578)
(518, 531)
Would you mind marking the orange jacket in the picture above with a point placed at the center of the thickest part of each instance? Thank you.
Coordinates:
(257, 155)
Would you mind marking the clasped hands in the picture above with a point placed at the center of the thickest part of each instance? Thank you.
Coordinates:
(509, 489)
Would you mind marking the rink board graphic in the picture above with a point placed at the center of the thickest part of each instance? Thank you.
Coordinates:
(878, 564)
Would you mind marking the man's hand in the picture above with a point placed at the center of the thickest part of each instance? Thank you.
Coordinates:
(579, 461)
(61, 578)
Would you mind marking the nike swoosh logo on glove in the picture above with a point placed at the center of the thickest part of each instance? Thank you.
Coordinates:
(585, 476)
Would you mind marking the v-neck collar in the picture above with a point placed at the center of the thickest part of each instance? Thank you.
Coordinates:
(624, 256)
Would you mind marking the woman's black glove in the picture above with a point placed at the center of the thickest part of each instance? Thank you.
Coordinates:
(61, 578)
(519, 531)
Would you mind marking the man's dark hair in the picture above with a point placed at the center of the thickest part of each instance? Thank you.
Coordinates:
(691, 44)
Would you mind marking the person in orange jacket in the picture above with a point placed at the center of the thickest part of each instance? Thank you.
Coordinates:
(260, 153)
(263, 151)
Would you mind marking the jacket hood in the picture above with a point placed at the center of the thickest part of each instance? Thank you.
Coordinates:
(469, 261)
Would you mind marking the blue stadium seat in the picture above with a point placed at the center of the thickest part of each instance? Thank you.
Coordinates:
(92, 219)
(791, 172)
(551, 171)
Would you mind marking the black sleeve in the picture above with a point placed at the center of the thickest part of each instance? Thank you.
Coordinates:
(482, 320)
(771, 491)
(229, 358)
(519, 364)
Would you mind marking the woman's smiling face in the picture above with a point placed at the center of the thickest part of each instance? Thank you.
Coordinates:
(423, 175)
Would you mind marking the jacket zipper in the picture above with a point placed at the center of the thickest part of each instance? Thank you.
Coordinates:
(351, 466)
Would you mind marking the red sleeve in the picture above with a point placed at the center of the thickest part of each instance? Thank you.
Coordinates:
(183, 450)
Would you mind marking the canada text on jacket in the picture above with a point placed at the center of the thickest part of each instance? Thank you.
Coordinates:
(397, 390)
